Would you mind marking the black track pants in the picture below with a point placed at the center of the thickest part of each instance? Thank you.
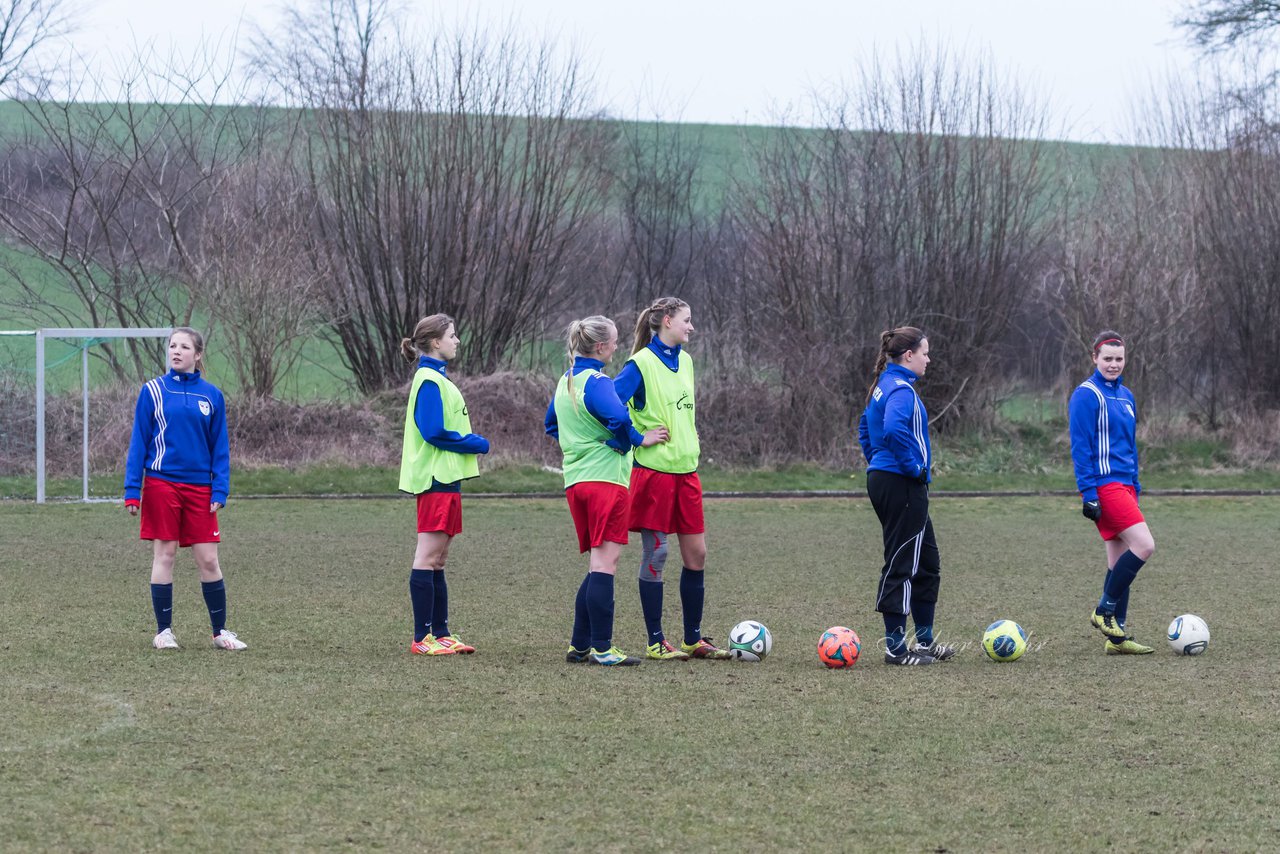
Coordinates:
(911, 563)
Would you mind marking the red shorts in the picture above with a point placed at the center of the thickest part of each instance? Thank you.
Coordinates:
(667, 503)
(440, 512)
(178, 511)
(599, 512)
(1119, 502)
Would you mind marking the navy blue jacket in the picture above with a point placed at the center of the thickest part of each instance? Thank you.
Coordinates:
(894, 429)
(1103, 416)
(179, 435)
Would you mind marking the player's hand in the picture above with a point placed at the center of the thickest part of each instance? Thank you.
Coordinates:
(132, 508)
(1091, 510)
(656, 436)
(214, 507)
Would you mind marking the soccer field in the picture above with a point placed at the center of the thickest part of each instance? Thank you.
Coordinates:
(326, 733)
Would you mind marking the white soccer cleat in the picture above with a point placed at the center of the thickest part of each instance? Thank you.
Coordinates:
(228, 640)
(165, 640)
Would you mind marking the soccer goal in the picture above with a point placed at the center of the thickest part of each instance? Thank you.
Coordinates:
(94, 336)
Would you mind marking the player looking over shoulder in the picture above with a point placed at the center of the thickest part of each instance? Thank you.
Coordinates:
(657, 384)
(596, 437)
(894, 434)
(438, 454)
(1103, 417)
(177, 476)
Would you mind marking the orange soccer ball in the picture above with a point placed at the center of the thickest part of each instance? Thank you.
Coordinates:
(839, 647)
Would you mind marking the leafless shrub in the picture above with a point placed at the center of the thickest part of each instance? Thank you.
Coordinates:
(921, 202)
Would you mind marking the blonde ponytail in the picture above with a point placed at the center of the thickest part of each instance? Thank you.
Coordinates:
(585, 336)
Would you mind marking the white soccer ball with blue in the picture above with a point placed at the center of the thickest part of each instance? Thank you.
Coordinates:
(1004, 640)
(1188, 635)
(750, 641)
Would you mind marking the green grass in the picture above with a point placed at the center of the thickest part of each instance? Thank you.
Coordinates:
(993, 468)
(327, 734)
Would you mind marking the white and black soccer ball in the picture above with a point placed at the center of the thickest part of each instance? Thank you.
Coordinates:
(1188, 635)
(750, 641)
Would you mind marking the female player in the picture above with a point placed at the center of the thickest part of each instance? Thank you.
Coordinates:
(177, 475)
(666, 493)
(596, 437)
(1104, 450)
(439, 453)
(894, 434)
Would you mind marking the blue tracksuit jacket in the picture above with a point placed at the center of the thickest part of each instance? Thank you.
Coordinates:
(1104, 422)
(179, 435)
(894, 429)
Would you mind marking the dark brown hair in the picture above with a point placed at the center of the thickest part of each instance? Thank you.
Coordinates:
(893, 343)
(1106, 336)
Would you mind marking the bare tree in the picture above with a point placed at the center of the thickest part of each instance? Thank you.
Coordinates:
(1125, 259)
(455, 177)
(107, 193)
(25, 25)
(249, 262)
(1223, 24)
(922, 201)
(656, 183)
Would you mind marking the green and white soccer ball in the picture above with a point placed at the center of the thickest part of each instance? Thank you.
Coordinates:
(1004, 640)
(1188, 635)
(750, 641)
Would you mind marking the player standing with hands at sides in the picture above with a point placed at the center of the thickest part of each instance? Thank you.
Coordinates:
(657, 384)
(1104, 451)
(894, 434)
(439, 453)
(596, 438)
(177, 475)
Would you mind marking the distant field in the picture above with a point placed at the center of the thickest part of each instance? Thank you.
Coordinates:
(327, 734)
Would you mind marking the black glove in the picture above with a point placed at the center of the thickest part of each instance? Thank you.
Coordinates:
(923, 477)
(1092, 510)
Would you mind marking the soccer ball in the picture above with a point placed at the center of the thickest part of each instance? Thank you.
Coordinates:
(750, 641)
(1188, 635)
(839, 647)
(1004, 640)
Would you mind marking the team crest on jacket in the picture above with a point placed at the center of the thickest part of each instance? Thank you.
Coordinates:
(205, 408)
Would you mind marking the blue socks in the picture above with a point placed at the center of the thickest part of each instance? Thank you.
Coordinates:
(600, 609)
(162, 604)
(1117, 583)
(895, 633)
(581, 637)
(692, 594)
(922, 614)
(440, 617)
(1122, 604)
(422, 593)
(651, 606)
(215, 599)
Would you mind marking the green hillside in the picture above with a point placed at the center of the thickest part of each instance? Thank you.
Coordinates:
(726, 152)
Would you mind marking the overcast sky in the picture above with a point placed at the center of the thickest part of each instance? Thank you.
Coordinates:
(750, 61)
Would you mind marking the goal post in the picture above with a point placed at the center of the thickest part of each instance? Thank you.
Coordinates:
(42, 335)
